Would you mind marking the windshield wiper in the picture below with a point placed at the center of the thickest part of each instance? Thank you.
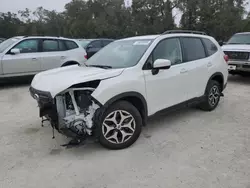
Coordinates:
(101, 66)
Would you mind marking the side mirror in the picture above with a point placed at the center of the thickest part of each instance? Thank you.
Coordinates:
(15, 51)
(162, 64)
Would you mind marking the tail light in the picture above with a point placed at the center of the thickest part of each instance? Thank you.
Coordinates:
(226, 58)
(86, 56)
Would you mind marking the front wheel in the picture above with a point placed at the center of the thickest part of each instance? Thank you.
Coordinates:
(121, 126)
(212, 96)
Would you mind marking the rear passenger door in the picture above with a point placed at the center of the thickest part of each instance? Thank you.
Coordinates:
(196, 66)
(52, 53)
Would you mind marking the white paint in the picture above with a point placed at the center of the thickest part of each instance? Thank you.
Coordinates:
(57, 80)
(167, 88)
(128, 3)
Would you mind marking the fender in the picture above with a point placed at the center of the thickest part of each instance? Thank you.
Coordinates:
(211, 78)
(144, 111)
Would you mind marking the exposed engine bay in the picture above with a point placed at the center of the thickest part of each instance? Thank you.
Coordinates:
(70, 112)
(76, 109)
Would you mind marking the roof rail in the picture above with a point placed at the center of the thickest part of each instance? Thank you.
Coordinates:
(184, 31)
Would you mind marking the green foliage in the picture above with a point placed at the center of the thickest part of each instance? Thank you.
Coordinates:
(109, 18)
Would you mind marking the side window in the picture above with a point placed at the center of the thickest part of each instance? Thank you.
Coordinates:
(50, 45)
(210, 46)
(106, 42)
(96, 44)
(169, 49)
(28, 46)
(71, 45)
(62, 46)
(193, 49)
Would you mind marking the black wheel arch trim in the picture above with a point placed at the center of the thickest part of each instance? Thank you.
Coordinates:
(214, 75)
(70, 63)
(130, 94)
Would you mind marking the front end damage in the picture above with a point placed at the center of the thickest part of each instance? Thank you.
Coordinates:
(71, 112)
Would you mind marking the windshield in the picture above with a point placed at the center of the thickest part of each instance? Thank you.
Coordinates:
(240, 39)
(84, 43)
(7, 43)
(120, 54)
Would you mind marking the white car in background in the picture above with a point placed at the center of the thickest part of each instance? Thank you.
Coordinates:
(238, 51)
(23, 56)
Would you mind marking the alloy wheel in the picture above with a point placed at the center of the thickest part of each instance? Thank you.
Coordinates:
(214, 95)
(118, 127)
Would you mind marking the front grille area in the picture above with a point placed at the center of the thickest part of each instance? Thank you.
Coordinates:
(237, 55)
(42, 97)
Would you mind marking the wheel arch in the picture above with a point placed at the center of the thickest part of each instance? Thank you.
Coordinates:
(136, 99)
(70, 63)
(218, 76)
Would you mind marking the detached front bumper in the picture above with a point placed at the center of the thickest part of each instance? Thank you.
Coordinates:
(46, 104)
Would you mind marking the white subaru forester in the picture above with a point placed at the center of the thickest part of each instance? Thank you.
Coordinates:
(130, 80)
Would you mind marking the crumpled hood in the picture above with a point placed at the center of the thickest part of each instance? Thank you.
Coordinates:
(236, 47)
(60, 79)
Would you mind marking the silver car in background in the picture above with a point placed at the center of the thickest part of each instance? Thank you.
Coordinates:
(22, 56)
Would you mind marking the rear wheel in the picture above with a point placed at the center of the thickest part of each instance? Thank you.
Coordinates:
(121, 126)
(212, 96)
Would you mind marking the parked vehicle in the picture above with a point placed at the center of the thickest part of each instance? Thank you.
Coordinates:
(130, 80)
(2, 39)
(93, 45)
(238, 51)
(21, 56)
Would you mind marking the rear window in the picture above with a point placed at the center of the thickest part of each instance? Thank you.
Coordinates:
(210, 46)
(193, 49)
(71, 45)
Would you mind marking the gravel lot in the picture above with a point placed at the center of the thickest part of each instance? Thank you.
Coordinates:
(188, 148)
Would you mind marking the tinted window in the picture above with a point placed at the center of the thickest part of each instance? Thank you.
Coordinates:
(169, 49)
(50, 45)
(28, 46)
(106, 42)
(71, 45)
(193, 49)
(210, 46)
(240, 39)
(96, 44)
(62, 46)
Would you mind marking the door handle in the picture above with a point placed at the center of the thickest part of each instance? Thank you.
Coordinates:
(183, 71)
(63, 57)
(34, 59)
(209, 64)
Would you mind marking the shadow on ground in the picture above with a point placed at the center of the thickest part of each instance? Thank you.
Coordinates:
(15, 82)
(245, 80)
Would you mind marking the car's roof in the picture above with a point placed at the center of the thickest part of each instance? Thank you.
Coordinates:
(96, 39)
(152, 37)
(48, 37)
(242, 33)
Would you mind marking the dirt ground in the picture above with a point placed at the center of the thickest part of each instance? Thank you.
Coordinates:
(188, 148)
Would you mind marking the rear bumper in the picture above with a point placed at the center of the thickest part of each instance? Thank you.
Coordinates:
(239, 66)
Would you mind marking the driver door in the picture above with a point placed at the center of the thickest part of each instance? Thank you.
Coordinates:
(168, 87)
(28, 61)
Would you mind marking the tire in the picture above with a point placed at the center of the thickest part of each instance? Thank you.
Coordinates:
(110, 138)
(212, 96)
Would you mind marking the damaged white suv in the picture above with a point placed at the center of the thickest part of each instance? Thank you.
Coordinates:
(128, 81)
